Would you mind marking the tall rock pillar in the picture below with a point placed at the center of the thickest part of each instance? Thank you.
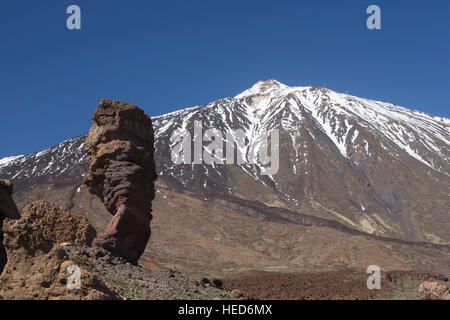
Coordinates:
(120, 149)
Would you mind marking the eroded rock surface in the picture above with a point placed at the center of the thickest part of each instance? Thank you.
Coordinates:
(434, 290)
(55, 223)
(120, 149)
(8, 209)
(38, 266)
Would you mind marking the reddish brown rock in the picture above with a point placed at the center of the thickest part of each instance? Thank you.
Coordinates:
(120, 149)
(57, 224)
(236, 293)
(8, 209)
(38, 261)
(434, 290)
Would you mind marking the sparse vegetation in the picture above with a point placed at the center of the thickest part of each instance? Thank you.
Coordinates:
(80, 260)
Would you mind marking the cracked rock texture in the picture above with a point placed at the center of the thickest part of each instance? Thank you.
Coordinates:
(38, 266)
(8, 209)
(120, 150)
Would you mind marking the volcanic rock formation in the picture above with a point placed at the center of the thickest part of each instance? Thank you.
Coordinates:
(8, 209)
(434, 290)
(38, 266)
(120, 150)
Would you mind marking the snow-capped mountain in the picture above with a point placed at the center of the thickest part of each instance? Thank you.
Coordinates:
(59, 164)
(369, 165)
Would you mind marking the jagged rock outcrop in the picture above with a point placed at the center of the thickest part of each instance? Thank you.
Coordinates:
(52, 223)
(38, 259)
(8, 209)
(434, 290)
(120, 149)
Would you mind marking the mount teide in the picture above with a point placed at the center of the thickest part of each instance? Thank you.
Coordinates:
(348, 164)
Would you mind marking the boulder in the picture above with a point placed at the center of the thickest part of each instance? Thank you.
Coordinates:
(120, 149)
(434, 290)
(58, 224)
(236, 293)
(38, 260)
(8, 209)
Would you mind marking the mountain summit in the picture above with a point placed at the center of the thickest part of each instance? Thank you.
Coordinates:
(263, 87)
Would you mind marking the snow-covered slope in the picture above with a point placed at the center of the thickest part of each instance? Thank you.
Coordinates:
(58, 164)
(342, 117)
(364, 163)
(421, 135)
(4, 162)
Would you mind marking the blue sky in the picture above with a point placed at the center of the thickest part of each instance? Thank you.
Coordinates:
(165, 55)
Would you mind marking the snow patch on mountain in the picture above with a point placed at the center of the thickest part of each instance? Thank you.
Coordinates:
(51, 162)
(7, 160)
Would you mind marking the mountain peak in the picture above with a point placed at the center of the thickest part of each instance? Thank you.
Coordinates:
(263, 87)
(270, 83)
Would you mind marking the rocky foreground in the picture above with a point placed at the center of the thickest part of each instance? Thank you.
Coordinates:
(44, 244)
(48, 240)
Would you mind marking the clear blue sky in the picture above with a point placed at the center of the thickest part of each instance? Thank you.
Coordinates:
(165, 55)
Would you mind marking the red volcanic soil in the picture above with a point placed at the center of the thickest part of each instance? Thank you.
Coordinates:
(346, 284)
